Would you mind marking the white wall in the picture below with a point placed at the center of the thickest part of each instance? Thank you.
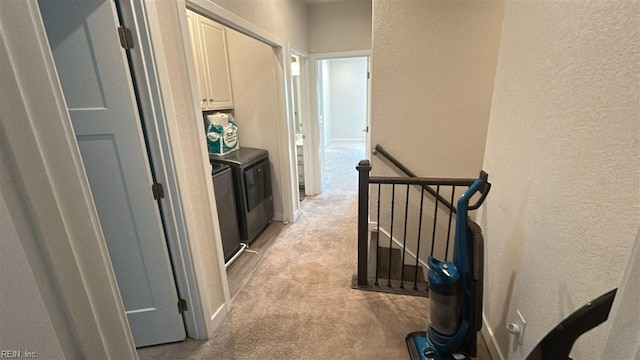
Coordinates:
(339, 26)
(432, 75)
(23, 314)
(563, 156)
(254, 68)
(348, 98)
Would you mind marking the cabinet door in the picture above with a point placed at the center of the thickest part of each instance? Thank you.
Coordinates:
(213, 39)
(192, 20)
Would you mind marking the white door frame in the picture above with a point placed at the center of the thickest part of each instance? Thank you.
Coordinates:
(303, 98)
(151, 106)
(286, 131)
(150, 102)
(315, 172)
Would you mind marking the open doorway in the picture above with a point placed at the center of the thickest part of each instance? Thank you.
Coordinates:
(343, 116)
(299, 119)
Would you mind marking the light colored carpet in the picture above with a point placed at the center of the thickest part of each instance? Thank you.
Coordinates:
(299, 303)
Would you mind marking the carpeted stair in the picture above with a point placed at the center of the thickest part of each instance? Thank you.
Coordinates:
(389, 271)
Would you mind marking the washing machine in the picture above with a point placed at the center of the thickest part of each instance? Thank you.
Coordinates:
(251, 171)
(227, 212)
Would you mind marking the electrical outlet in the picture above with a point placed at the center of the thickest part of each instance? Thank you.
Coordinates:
(517, 327)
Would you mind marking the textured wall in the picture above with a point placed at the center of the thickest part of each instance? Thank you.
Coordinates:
(339, 26)
(433, 67)
(623, 341)
(563, 152)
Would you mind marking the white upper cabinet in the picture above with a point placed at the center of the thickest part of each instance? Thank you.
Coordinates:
(209, 40)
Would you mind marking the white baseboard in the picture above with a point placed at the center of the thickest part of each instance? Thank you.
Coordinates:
(490, 340)
(296, 215)
(346, 141)
(218, 317)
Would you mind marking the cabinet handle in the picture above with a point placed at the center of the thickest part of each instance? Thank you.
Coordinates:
(210, 100)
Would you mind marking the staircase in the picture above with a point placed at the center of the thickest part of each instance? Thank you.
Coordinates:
(386, 270)
(412, 218)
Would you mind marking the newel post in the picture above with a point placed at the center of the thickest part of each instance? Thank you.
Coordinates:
(364, 168)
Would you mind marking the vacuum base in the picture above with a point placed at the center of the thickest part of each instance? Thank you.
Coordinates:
(420, 348)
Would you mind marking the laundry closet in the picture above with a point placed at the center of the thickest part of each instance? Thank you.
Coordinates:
(237, 92)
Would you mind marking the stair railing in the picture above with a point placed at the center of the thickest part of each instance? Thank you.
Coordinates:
(385, 154)
(380, 150)
(369, 276)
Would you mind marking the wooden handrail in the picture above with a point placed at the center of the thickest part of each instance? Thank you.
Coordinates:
(380, 150)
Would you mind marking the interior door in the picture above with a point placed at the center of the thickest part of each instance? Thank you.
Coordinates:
(96, 81)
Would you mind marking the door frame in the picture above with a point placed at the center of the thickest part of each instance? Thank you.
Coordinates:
(146, 83)
(285, 128)
(303, 95)
(143, 71)
(315, 171)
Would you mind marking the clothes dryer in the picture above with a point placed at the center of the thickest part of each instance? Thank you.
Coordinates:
(251, 171)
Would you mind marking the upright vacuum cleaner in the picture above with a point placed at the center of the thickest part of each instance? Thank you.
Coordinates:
(455, 290)
(455, 300)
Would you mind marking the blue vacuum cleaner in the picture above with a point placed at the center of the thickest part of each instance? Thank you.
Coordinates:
(455, 300)
(455, 290)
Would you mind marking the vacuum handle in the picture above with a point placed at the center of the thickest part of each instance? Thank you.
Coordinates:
(484, 190)
(559, 341)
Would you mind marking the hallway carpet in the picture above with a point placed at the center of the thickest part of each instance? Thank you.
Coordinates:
(299, 303)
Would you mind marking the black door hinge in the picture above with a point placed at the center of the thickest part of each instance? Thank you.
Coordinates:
(126, 39)
(182, 305)
(158, 191)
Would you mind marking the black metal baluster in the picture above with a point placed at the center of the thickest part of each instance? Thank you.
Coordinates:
(378, 236)
(393, 199)
(415, 275)
(404, 241)
(435, 220)
(446, 251)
